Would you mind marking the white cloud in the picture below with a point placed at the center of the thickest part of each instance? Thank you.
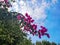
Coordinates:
(37, 11)
(15, 6)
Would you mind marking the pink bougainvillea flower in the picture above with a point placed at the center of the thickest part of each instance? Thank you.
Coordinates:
(26, 14)
(43, 29)
(25, 19)
(6, 1)
(34, 26)
(18, 17)
(41, 32)
(27, 28)
(32, 21)
(28, 19)
(47, 35)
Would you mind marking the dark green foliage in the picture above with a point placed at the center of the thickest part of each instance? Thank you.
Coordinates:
(45, 43)
(10, 32)
(53, 43)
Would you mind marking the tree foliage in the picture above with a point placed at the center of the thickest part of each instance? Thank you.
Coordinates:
(43, 42)
(10, 32)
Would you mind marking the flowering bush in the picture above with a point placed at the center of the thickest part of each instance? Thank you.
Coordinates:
(32, 28)
(27, 21)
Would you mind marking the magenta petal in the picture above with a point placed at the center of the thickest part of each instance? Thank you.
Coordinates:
(18, 17)
(26, 15)
(43, 29)
(32, 21)
(29, 17)
(47, 35)
(34, 26)
(6, 1)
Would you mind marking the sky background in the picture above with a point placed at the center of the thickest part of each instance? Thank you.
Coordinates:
(44, 12)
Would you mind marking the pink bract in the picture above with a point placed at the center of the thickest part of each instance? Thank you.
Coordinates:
(18, 17)
(33, 28)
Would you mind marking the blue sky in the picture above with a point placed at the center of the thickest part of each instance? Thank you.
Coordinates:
(45, 12)
(53, 22)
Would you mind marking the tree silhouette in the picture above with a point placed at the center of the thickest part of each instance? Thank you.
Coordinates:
(43, 42)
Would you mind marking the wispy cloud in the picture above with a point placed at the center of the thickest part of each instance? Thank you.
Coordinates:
(34, 8)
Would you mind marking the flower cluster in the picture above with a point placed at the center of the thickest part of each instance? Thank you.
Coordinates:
(30, 27)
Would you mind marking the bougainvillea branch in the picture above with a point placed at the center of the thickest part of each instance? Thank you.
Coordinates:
(27, 23)
(32, 28)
